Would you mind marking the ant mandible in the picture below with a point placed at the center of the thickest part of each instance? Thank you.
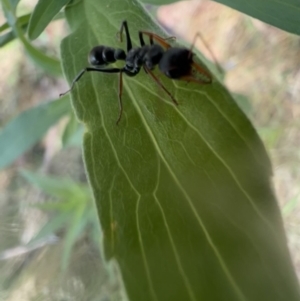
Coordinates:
(174, 62)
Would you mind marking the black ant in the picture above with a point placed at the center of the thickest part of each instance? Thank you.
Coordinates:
(174, 62)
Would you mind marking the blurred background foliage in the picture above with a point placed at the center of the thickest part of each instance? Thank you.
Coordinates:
(49, 235)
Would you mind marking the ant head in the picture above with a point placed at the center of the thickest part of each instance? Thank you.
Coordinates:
(96, 56)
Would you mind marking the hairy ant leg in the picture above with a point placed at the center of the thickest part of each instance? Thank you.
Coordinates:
(148, 71)
(199, 36)
(155, 37)
(204, 72)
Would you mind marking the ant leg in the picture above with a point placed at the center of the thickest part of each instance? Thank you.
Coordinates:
(157, 38)
(88, 69)
(142, 42)
(148, 71)
(190, 78)
(128, 39)
(77, 78)
(120, 97)
(204, 72)
(151, 35)
(198, 35)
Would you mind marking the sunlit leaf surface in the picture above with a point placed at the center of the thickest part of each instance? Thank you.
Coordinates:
(183, 193)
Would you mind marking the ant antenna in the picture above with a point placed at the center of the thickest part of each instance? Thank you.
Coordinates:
(198, 35)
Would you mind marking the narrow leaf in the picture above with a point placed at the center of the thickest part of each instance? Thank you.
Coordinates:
(282, 14)
(28, 128)
(50, 64)
(54, 224)
(71, 130)
(14, 3)
(75, 229)
(9, 36)
(44, 61)
(43, 13)
(23, 20)
(63, 188)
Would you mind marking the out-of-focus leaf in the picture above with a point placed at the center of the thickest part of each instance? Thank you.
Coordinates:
(49, 64)
(282, 14)
(183, 193)
(23, 23)
(290, 205)
(43, 13)
(63, 188)
(243, 102)
(14, 3)
(23, 20)
(54, 224)
(74, 210)
(75, 229)
(8, 37)
(20, 134)
(271, 135)
(71, 129)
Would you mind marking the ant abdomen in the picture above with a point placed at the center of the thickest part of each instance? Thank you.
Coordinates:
(103, 55)
(176, 63)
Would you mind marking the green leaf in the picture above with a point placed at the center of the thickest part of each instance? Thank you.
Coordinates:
(75, 210)
(51, 227)
(71, 130)
(62, 188)
(9, 36)
(158, 2)
(183, 193)
(20, 134)
(50, 64)
(75, 229)
(290, 206)
(6, 38)
(23, 20)
(43, 13)
(14, 3)
(282, 14)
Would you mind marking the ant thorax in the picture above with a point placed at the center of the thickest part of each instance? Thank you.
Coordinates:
(148, 55)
